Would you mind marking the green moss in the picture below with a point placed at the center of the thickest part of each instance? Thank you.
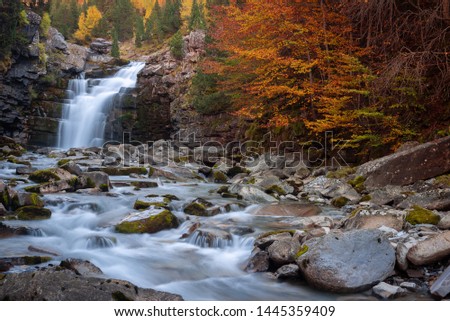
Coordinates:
(73, 182)
(90, 183)
(220, 177)
(231, 195)
(31, 213)
(144, 184)
(104, 187)
(340, 201)
(123, 171)
(170, 197)
(196, 209)
(251, 181)
(443, 180)
(302, 251)
(43, 176)
(266, 234)
(275, 189)
(33, 260)
(161, 221)
(355, 212)
(419, 215)
(119, 296)
(341, 172)
(357, 183)
(33, 189)
(36, 200)
(366, 198)
(63, 162)
(151, 171)
(141, 205)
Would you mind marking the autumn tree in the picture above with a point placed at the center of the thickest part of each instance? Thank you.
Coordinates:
(87, 22)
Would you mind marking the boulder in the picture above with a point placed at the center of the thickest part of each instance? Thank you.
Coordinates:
(251, 193)
(101, 46)
(444, 223)
(282, 252)
(201, 207)
(331, 188)
(441, 287)
(50, 175)
(373, 219)
(33, 213)
(75, 60)
(81, 267)
(295, 210)
(419, 215)
(8, 231)
(265, 240)
(54, 284)
(433, 200)
(347, 262)
(409, 166)
(431, 250)
(25, 170)
(55, 41)
(402, 252)
(289, 271)
(152, 220)
(259, 262)
(96, 179)
(29, 199)
(211, 237)
(72, 168)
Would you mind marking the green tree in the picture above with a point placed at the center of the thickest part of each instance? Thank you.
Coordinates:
(171, 19)
(45, 24)
(123, 16)
(176, 45)
(115, 51)
(11, 20)
(139, 31)
(153, 25)
(197, 18)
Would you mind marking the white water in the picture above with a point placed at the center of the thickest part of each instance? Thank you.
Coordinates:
(85, 114)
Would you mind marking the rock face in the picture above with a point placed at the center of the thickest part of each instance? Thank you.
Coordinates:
(407, 167)
(66, 285)
(431, 250)
(347, 262)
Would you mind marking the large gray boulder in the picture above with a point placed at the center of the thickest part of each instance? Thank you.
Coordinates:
(65, 285)
(251, 193)
(347, 262)
(55, 41)
(331, 188)
(431, 250)
(409, 166)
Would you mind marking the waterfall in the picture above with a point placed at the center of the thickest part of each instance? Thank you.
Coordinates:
(89, 103)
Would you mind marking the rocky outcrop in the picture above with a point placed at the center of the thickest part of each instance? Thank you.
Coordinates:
(56, 284)
(409, 166)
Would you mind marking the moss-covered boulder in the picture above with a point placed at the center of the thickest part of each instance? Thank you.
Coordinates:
(32, 213)
(152, 220)
(124, 171)
(139, 185)
(220, 177)
(339, 201)
(420, 215)
(233, 171)
(50, 175)
(30, 199)
(155, 201)
(200, 207)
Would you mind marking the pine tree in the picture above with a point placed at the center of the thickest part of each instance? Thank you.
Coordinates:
(139, 31)
(123, 17)
(11, 20)
(72, 18)
(115, 51)
(171, 19)
(176, 45)
(197, 18)
(153, 25)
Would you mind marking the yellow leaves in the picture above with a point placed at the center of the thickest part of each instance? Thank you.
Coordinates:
(87, 22)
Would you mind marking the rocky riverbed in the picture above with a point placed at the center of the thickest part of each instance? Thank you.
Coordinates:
(206, 226)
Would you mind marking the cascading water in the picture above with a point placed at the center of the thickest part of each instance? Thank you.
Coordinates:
(85, 114)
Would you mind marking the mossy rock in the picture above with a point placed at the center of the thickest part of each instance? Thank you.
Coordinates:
(196, 209)
(275, 189)
(33, 189)
(270, 233)
(104, 187)
(144, 184)
(222, 189)
(124, 171)
(220, 177)
(142, 205)
(358, 183)
(32, 213)
(150, 221)
(339, 201)
(231, 195)
(63, 162)
(233, 171)
(43, 176)
(251, 181)
(171, 197)
(151, 171)
(443, 180)
(341, 172)
(419, 215)
(302, 251)
(366, 198)
(33, 260)
(14, 160)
